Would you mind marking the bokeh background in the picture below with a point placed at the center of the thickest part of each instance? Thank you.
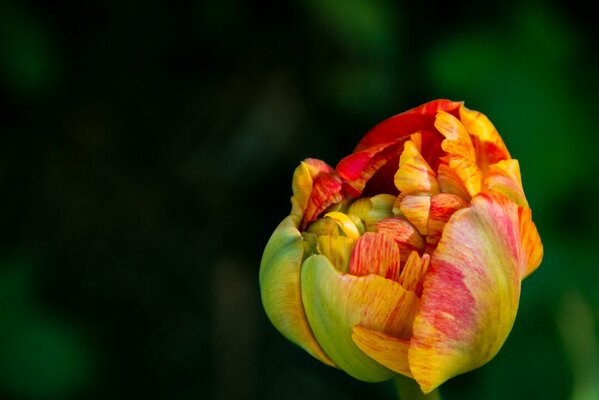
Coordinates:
(146, 154)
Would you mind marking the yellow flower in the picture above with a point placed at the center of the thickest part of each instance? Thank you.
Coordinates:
(407, 258)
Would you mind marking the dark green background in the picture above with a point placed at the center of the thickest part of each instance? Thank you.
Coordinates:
(146, 154)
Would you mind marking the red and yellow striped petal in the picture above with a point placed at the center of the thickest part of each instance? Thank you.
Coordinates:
(414, 175)
(387, 350)
(336, 302)
(443, 205)
(404, 233)
(375, 253)
(471, 291)
(280, 288)
(419, 118)
(504, 177)
(462, 156)
(489, 146)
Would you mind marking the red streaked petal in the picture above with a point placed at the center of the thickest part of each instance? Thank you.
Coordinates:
(462, 156)
(443, 205)
(404, 124)
(404, 233)
(387, 350)
(326, 190)
(412, 274)
(375, 253)
(471, 291)
(359, 168)
(303, 181)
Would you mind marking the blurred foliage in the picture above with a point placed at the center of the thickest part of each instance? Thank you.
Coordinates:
(146, 156)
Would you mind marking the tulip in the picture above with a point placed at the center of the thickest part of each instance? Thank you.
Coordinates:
(407, 257)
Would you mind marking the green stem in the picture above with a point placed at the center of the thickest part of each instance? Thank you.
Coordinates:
(408, 389)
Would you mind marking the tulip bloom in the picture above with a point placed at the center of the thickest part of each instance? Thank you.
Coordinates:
(408, 257)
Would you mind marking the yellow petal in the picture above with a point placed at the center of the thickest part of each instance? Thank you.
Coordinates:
(532, 248)
(302, 183)
(414, 174)
(387, 350)
(416, 210)
(462, 156)
(489, 146)
(338, 249)
(336, 302)
(345, 223)
(504, 177)
(471, 291)
(450, 182)
(280, 287)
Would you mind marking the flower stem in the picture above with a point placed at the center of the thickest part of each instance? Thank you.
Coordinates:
(408, 389)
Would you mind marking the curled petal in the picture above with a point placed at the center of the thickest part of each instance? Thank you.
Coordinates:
(404, 233)
(532, 248)
(490, 148)
(449, 181)
(462, 156)
(414, 174)
(336, 302)
(443, 205)
(471, 291)
(504, 177)
(387, 350)
(416, 209)
(280, 288)
(360, 168)
(326, 190)
(303, 180)
(401, 125)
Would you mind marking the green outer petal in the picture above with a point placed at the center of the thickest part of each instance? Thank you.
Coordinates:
(336, 302)
(280, 287)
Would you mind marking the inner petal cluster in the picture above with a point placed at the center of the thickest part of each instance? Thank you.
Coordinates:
(389, 235)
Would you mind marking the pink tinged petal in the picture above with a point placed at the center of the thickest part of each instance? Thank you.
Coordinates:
(303, 179)
(280, 288)
(471, 292)
(336, 302)
(375, 253)
(406, 123)
(387, 350)
(532, 248)
(413, 272)
(416, 209)
(449, 181)
(403, 233)
(462, 156)
(490, 148)
(443, 205)
(504, 177)
(326, 190)
(414, 174)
